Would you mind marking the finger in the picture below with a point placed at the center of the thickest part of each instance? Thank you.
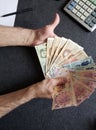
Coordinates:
(59, 81)
(55, 22)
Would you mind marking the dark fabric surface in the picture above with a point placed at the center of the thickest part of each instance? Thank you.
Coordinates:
(19, 67)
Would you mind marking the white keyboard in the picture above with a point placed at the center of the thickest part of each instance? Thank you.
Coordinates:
(84, 11)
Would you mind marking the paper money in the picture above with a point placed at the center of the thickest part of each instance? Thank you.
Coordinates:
(55, 44)
(63, 98)
(41, 52)
(55, 67)
(90, 84)
(57, 72)
(69, 50)
(49, 48)
(80, 63)
(87, 67)
(85, 74)
(61, 57)
(60, 46)
(81, 91)
(72, 58)
(71, 93)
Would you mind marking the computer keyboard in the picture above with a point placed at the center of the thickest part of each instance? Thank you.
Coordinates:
(84, 11)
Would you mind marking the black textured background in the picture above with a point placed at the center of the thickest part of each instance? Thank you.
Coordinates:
(19, 67)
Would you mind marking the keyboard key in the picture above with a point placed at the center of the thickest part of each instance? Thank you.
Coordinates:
(77, 1)
(78, 7)
(94, 14)
(95, 9)
(87, 21)
(70, 7)
(89, 10)
(91, 24)
(82, 10)
(92, 6)
(86, 14)
(81, 3)
(78, 14)
(90, 18)
(83, 17)
(74, 11)
(88, 3)
(94, 20)
(73, 3)
(84, 1)
(93, 1)
(85, 7)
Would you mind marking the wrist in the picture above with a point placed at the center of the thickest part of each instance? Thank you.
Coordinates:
(35, 91)
(31, 92)
(30, 38)
(42, 89)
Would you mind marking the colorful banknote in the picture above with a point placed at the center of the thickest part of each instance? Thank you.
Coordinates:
(41, 52)
(62, 57)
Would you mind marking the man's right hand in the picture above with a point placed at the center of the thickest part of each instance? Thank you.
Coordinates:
(44, 89)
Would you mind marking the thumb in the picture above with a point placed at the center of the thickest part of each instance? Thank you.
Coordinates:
(55, 22)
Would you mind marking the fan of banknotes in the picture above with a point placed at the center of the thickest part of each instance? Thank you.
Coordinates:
(63, 57)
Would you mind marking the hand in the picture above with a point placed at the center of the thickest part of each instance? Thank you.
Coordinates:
(44, 89)
(13, 36)
(42, 34)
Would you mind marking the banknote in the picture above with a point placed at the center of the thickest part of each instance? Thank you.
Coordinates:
(80, 63)
(58, 49)
(55, 45)
(56, 67)
(62, 98)
(72, 93)
(87, 67)
(91, 85)
(72, 58)
(57, 72)
(85, 74)
(49, 48)
(62, 57)
(70, 49)
(41, 52)
(81, 91)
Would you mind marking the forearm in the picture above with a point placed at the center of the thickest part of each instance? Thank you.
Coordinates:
(43, 89)
(16, 36)
(12, 36)
(10, 101)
